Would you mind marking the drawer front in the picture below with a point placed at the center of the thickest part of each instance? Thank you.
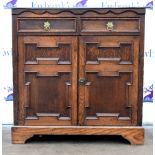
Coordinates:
(46, 25)
(110, 25)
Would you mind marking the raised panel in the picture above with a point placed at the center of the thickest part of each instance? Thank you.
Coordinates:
(48, 96)
(104, 94)
(121, 51)
(41, 50)
(62, 52)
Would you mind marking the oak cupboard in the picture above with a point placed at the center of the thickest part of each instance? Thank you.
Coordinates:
(78, 72)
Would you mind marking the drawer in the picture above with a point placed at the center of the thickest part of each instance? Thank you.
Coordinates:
(46, 25)
(110, 25)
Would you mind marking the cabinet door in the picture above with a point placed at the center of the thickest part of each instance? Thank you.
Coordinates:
(47, 80)
(108, 80)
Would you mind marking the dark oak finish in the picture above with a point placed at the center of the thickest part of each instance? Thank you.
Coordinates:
(110, 66)
(78, 71)
(36, 25)
(120, 24)
(46, 72)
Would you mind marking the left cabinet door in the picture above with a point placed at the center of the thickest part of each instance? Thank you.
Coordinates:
(47, 80)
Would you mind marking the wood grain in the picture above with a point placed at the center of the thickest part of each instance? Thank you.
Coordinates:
(47, 67)
(135, 135)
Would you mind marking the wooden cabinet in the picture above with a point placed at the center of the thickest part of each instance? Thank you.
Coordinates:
(78, 72)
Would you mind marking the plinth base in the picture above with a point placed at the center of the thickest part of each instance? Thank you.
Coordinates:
(134, 134)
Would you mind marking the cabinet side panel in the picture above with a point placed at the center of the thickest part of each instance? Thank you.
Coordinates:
(15, 69)
(141, 72)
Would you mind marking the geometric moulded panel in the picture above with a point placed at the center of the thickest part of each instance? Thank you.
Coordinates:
(47, 95)
(109, 96)
(122, 52)
(47, 48)
(60, 51)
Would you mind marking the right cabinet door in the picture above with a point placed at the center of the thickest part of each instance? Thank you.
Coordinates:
(108, 80)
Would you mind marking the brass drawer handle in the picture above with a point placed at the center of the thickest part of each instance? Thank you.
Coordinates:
(110, 26)
(47, 26)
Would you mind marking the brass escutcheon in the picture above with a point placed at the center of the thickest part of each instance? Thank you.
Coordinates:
(110, 26)
(47, 26)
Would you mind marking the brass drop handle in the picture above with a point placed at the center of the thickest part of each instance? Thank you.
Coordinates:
(82, 81)
(47, 26)
(110, 26)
